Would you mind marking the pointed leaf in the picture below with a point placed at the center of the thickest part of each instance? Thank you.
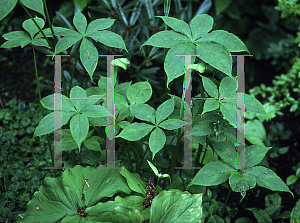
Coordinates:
(66, 42)
(228, 87)
(252, 104)
(79, 126)
(201, 25)
(99, 24)
(157, 141)
(6, 7)
(94, 111)
(203, 128)
(15, 39)
(136, 12)
(177, 25)
(171, 124)
(144, 112)
(254, 155)
(228, 109)
(240, 181)
(268, 179)
(174, 65)
(210, 105)
(108, 38)
(211, 174)
(210, 87)
(135, 131)
(77, 97)
(229, 40)
(35, 5)
(166, 39)
(46, 125)
(216, 55)
(80, 22)
(164, 110)
(154, 169)
(88, 56)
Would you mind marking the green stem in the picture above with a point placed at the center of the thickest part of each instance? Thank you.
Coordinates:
(129, 157)
(174, 158)
(223, 210)
(49, 22)
(136, 159)
(37, 25)
(198, 157)
(70, 85)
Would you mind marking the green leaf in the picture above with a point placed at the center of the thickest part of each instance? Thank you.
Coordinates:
(80, 22)
(144, 112)
(82, 3)
(94, 111)
(177, 25)
(157, 141)
(185, 207)
(31, 28)
(108, 38)
(291, 179)
(171, 124)
(226, 150)
(92, 144)
(210, 105)
(229, 40)
(201, 25)
(228, 109)
(136, 12)
(198, 67)
(211, 174)
(174, 65)
(164, 110)
(98, 24)
(153, 168)
(15, 39)
(46, 125)
(166, 39)
(203, 128)
(228, 87)
(221, 6)
(35, 5)
(88, 56)
(268, 179)
(254, 154)
(139, 93)
(79, 126)
(255, 132)
(6, 7)
(240, 181)
(135, 131)
(210, 87)
(261, 215)
(77, 97)
(252, 104)
(216, 55)
(66, 42)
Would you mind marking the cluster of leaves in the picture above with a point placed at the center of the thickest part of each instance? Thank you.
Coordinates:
(22, 159)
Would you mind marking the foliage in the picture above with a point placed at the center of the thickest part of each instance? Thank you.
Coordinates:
(213, 120)
(22, 158)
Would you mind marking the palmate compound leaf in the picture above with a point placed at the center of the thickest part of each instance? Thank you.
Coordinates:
(59, 198)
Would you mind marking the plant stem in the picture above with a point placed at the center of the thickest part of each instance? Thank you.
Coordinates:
(223, 210)
(129, 157)
(198, 157)
(49, 22)
(70, 85)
